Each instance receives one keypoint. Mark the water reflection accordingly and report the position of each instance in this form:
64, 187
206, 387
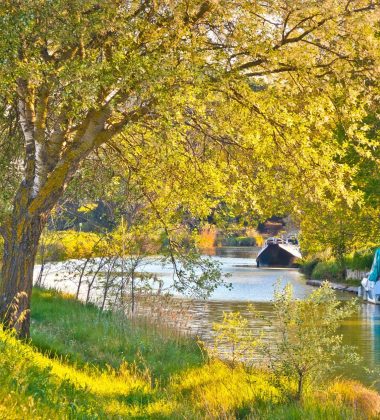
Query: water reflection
363, 332
233, 251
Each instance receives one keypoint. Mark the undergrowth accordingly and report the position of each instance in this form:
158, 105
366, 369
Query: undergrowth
84, 364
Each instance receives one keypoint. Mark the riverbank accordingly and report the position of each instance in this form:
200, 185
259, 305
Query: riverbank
342, 287
82, 363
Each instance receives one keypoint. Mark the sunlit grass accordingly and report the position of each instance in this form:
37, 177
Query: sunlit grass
87, 365
83, 334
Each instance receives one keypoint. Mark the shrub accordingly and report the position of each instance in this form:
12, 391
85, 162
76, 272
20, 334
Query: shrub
207, 237
51, 251
307, 346
81, 244
233, 338
239, 241
361, 260
65, 245
327, 270
307, 267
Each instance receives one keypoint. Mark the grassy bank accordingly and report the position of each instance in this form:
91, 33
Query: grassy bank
82, 363
329, 269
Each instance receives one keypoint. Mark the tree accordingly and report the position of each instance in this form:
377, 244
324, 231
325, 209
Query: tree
307, 345
339, 226
336, 229
78, 75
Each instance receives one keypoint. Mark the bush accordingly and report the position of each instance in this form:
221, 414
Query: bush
66, 245
307, 267
81, 244
327, 270
306, 348
207, 237
49, 252
361, 260
239, 241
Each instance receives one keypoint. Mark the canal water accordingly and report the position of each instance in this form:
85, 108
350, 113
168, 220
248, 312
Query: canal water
254, 286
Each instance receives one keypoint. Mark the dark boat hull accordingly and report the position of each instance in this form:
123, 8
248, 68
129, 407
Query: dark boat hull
275, 256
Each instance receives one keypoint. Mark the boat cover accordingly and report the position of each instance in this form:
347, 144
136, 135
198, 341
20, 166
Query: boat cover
291, 249
375, 269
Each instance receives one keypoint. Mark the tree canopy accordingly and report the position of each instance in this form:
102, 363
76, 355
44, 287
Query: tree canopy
206, 101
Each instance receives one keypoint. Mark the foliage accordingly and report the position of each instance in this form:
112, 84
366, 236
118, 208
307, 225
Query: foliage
70, 244
239, 241
327, 270
205, 102
308, 266
340, 229
158, 222
196, 275
346, 226
308, 345
361, 260
207, 237
230, 235
239, 116
66, 245
233, 339
112, 265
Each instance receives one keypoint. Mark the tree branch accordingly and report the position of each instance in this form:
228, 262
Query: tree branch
27, 119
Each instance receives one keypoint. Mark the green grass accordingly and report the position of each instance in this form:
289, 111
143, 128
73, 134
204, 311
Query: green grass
84, 364
327, 270
82, 334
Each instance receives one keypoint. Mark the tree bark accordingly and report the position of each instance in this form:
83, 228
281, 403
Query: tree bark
21, 237
299, 387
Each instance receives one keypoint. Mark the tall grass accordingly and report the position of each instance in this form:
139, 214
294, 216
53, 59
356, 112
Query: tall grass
327, 270
82, 334
85, 364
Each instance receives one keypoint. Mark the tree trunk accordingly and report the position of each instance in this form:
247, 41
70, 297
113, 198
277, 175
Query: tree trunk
21, 237
38, 282
299, 387
49, 165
